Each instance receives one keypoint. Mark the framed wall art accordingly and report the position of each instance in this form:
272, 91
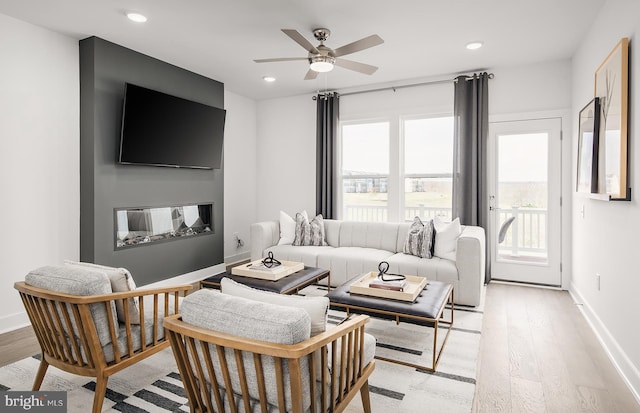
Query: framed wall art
589, 128
612, 88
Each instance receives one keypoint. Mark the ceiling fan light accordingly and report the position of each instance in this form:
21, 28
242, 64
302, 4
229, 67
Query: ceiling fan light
321, 64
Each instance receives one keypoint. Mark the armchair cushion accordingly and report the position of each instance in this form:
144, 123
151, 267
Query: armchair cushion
82, 282
121, 281
254, 320
317, 307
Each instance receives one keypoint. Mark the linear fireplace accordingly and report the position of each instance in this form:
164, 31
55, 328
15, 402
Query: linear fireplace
142, 226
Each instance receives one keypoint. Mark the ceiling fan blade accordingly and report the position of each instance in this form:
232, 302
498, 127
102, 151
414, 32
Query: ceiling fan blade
356, 66
311, 74
280, 59
358, 45
298, 38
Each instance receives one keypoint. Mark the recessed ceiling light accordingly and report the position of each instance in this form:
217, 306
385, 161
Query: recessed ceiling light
269, 79
474, 45
136, 17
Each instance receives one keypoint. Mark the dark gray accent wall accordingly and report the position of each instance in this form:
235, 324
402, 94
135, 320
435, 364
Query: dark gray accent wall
105, 184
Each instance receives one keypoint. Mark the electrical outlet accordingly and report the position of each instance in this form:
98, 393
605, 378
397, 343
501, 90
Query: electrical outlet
582, 211
598, 281
238, 241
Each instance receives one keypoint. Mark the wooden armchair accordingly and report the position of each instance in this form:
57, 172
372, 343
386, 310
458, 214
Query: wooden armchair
74, 339
223, 372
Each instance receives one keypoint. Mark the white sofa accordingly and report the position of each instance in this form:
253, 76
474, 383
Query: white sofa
357, 247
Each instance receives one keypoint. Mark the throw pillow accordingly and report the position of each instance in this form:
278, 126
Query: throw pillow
316, 307
309, 233
419, 239
121, 281
287, 228
447, 234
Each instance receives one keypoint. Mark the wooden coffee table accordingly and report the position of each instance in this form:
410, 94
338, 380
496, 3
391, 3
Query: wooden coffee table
290, 284
428, 310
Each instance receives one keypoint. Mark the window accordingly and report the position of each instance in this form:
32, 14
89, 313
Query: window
365, 171
428, 167
396, 169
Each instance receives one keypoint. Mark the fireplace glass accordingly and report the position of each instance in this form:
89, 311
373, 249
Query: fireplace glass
142, 226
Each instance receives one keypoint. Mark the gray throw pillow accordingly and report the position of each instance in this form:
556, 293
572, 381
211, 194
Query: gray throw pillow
419, 241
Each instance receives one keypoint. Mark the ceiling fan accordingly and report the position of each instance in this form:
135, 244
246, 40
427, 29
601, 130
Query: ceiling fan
322, 58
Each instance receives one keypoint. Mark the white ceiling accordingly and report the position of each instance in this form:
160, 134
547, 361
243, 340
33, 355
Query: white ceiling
423, 38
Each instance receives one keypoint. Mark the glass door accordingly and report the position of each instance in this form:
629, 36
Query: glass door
525, 201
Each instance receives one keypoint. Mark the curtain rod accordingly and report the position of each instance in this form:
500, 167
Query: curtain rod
394, 88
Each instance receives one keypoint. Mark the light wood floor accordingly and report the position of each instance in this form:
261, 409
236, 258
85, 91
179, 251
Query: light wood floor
537, 354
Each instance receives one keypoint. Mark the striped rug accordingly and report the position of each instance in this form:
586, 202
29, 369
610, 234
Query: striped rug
154, 385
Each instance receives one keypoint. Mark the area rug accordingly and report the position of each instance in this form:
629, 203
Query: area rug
154, 384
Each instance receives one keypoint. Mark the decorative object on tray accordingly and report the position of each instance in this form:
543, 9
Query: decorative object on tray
268, 268
413, 288
386, 281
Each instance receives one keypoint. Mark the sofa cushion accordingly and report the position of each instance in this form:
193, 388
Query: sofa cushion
121, 281
447, 234
378, 235
332, 232
316, 307
260, 321
307, 255
78, 281
419, 239
347, 262
435, 268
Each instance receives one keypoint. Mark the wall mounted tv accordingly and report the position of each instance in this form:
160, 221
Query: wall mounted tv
163, 130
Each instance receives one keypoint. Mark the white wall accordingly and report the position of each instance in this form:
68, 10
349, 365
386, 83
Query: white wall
286, 147
39, 163
605, 241
240, 171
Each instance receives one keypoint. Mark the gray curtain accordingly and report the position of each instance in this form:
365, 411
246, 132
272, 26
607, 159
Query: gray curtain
326, 135
470, 152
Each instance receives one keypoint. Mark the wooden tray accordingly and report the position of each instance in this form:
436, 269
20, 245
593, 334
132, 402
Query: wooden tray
414, 286
287, 268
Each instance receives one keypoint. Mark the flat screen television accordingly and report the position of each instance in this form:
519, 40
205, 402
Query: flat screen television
163, 130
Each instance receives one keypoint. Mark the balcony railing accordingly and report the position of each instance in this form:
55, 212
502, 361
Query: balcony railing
527, 235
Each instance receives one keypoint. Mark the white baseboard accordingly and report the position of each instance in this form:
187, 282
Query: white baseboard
14, 321
189, 277
628, 371
237, 257
19, 320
